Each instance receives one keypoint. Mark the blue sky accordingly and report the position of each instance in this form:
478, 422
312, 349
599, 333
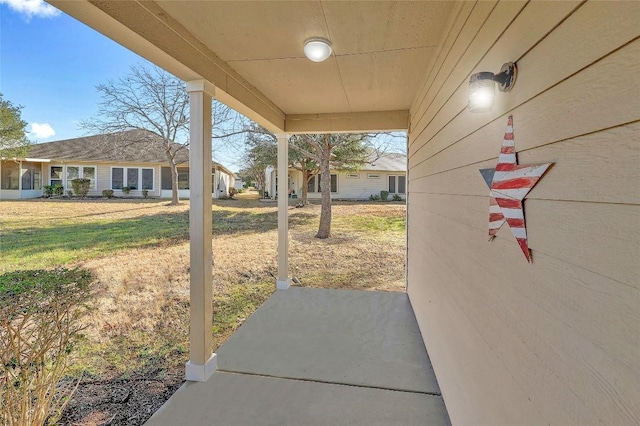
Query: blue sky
50, 64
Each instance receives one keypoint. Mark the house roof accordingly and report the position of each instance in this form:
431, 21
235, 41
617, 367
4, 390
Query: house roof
131, 146
253, 53
387, 163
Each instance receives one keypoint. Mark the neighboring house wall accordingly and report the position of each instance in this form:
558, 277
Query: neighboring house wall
219, 182
105, 177
346, 186
556, 341
238, 183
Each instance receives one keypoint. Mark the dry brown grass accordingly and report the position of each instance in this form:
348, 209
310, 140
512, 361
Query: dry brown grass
140, 325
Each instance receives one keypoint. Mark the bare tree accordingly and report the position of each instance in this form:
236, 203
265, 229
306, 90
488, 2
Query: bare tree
147, 98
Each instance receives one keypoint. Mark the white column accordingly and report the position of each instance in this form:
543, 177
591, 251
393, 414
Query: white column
202, 363
283, 211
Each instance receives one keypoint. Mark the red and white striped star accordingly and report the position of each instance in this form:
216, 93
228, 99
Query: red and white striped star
509, 184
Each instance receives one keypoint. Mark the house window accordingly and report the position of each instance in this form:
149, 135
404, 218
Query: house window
165, 178
31, 177
89, 172
132, 178
117, 178
373, 176
147, 179
10, 175
73, 172
397, 184
311, 185
314, 184
56, 175
402, 184
183, 178
353, 175
64, 175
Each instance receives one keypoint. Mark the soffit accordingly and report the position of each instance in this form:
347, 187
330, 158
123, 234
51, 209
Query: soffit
381, 49
252, 52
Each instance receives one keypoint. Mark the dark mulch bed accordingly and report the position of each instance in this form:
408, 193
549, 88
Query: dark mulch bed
119, 401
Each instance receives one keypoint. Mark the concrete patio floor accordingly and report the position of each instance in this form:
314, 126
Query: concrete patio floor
317, 357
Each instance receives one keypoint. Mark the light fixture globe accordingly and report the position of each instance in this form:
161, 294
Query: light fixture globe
317, 49
482, 86
481, 92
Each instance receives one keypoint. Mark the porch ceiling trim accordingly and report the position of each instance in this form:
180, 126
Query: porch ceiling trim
149, 31
348, 122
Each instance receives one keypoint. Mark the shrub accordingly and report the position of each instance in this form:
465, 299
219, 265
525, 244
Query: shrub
81, 187
396, 197
48, 190
107, 193
40, 314
126, 190
58, 190
70, 193
145, 193
384, 195
374, 197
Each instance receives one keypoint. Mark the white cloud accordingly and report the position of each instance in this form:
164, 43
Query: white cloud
31, 8
41, 131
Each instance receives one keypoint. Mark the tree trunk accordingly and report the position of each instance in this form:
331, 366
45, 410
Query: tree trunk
175, 200
324, 230
306, 175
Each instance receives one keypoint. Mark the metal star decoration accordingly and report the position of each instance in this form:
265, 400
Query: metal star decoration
509, 184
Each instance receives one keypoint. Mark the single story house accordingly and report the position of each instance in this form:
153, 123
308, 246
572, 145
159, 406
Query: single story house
387, 173
133, 158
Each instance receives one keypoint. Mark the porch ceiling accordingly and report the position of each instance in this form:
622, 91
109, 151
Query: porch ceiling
252, 52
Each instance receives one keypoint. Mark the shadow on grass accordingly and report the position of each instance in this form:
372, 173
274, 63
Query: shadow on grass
50, 243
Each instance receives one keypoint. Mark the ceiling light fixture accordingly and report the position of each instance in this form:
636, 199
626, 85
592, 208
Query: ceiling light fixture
482, 86
317, 49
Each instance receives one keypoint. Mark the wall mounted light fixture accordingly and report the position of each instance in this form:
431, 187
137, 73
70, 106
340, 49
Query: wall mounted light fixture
317, 49
482, 86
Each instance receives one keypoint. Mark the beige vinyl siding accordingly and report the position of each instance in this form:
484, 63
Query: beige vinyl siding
357, 189
103, 175
556, 341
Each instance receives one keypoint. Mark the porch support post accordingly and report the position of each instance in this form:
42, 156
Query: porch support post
283, 211
202, 363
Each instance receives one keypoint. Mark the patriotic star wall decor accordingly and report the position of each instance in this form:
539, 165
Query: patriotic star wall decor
509, 183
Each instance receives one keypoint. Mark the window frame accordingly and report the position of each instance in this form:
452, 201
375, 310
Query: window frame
111, 178
139, 180
60, 179
397, 185
153, 178
136, 171
29, 172
10, 173
317, 184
